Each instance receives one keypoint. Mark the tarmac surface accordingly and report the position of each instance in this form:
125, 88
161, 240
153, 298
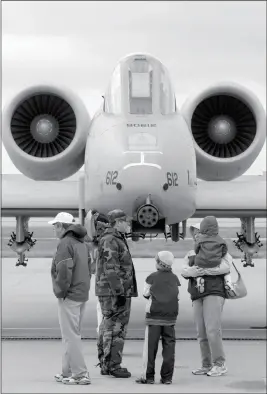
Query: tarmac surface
46, 242
29, 307
29, 367
29, 310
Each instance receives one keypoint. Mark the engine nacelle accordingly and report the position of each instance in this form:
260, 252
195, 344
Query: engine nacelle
228, 125
45, 131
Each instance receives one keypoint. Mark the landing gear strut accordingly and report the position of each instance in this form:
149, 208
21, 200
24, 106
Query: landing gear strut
174, 234
248, 241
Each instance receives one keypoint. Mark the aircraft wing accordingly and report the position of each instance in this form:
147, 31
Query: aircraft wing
243, 197
23, 196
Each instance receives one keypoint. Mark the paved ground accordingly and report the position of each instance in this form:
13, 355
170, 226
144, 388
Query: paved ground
29, 307
29, 367
46, 242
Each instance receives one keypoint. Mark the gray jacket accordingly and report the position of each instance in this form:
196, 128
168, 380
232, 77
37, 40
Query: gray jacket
71, 266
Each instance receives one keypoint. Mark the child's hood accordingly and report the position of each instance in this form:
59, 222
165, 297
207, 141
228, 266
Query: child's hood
209, 226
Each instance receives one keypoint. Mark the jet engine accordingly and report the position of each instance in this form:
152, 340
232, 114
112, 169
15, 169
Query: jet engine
228, 126
45, 131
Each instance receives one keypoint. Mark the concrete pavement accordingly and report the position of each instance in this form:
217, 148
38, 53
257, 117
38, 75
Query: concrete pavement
29, 307
29, 367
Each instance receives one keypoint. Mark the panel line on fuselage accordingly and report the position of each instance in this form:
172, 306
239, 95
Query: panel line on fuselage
142, 159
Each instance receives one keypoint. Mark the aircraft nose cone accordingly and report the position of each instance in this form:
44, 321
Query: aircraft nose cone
222, 130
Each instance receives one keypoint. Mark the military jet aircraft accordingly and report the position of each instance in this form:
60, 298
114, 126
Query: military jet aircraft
140, 154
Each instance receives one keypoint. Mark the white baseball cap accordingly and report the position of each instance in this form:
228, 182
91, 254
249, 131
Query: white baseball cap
165, 257
63, 217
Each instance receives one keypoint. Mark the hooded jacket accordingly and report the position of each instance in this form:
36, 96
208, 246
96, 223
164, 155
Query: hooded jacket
115, 274
209, 247
71, 265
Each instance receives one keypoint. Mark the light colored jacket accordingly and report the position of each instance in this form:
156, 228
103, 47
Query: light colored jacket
194, 271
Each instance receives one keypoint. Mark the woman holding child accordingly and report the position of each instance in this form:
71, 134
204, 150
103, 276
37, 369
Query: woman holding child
207, 289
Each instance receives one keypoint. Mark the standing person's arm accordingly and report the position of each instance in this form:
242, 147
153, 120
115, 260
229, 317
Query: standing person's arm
91, 266
64, 267
148, 283
222, 269
110, 255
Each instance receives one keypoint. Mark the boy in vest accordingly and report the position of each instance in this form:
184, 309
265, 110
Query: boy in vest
161, 291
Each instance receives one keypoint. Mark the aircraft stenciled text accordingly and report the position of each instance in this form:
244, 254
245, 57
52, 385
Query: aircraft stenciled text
111, 177
172, 178
141, 125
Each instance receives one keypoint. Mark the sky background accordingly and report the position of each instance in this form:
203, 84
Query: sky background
77, 45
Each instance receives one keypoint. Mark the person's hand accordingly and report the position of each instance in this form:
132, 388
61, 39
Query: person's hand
121, 300
200, 271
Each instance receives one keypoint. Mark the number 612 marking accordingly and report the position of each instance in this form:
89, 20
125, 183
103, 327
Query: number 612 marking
172, 178
111, 177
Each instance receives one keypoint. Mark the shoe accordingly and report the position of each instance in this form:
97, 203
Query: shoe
72, 381
103, 369
120, 373
165, 381
201, 371
145, 381
59, 377
217, 370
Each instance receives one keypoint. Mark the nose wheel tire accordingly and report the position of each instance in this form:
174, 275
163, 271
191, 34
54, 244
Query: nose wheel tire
148, 216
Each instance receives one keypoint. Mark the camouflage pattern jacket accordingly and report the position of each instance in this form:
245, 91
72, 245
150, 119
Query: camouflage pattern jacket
115, 274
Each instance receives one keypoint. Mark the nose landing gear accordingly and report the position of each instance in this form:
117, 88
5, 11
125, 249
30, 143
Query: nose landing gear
174, 233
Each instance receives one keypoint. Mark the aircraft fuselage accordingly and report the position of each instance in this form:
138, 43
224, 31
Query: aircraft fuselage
129, 159
139, 149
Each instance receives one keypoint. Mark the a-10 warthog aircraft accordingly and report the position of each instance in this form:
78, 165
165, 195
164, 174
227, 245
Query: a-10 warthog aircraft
140, 154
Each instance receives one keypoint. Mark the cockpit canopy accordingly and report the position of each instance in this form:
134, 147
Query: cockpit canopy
140, 85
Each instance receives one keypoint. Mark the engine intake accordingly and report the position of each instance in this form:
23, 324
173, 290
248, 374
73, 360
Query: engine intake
223, 126
43, 125
45, 132
227, 122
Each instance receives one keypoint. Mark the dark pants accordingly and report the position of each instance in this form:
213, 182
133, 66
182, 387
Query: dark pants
112, 332
152, 337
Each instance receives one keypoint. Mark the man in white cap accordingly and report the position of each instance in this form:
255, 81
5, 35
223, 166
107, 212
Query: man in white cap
161, 290
71, 274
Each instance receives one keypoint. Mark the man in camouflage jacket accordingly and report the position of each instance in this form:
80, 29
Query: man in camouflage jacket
115, 285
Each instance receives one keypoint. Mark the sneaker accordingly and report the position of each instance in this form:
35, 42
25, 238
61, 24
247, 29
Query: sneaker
217, 370
59, 377
145, 381
201, 371
82, 380
120, 373
165, 381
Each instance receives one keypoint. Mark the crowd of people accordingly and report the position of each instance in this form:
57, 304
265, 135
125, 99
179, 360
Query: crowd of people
100, 247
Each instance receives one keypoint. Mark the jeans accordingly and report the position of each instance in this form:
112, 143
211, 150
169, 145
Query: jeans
207, 314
